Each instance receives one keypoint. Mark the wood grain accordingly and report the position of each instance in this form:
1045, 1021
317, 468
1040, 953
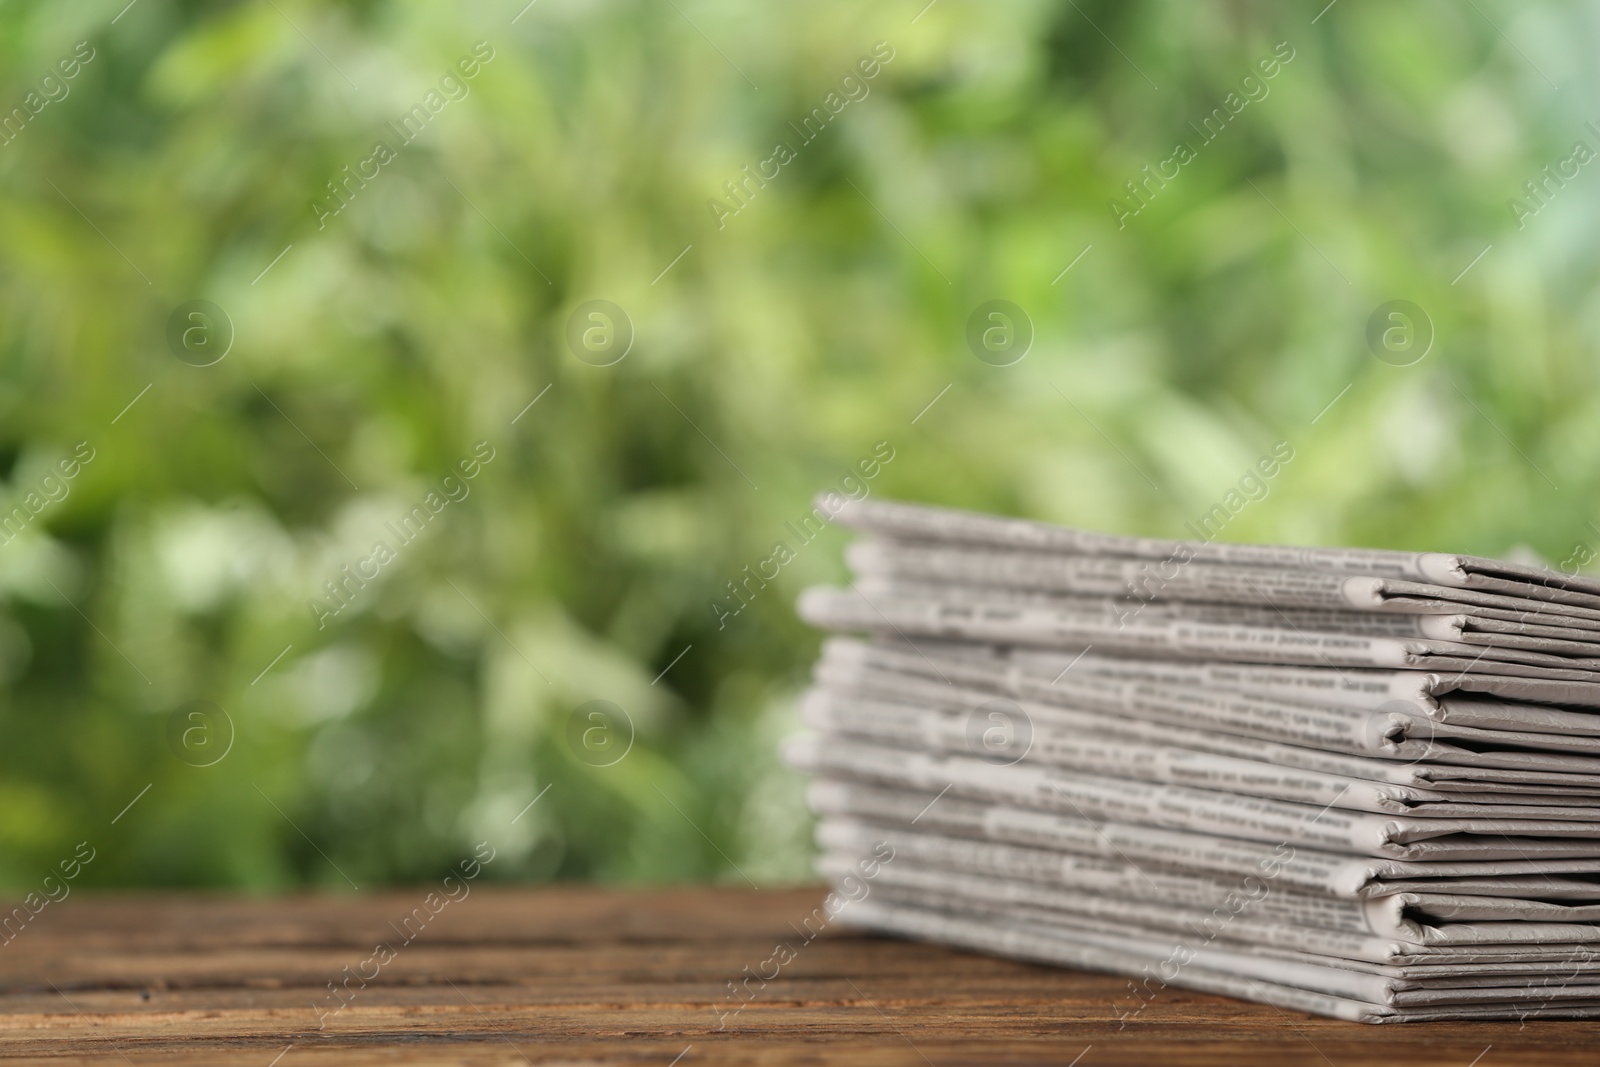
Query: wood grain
591, 976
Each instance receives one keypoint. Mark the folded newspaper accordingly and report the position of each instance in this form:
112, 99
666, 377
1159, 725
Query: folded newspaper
1359, 783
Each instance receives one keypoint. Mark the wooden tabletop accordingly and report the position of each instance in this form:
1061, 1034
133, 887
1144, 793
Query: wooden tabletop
589, 976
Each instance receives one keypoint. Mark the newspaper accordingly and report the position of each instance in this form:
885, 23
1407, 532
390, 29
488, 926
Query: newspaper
1213, 583
884, 691
1055, 739
1375, 929
1031, 672
1113, 890
1526, 632
1357, 782
1391, 733
1201, 810
1367, 936
921, 523
994, 938
1284, 985
849, 609
1310, 685
1335, 668
1561, 635
1037, 845
1510, 969
1400, 984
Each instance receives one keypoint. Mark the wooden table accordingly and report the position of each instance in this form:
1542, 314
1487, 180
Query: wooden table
591, 976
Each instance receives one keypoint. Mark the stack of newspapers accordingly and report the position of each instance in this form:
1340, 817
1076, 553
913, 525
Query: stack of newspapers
1354, 782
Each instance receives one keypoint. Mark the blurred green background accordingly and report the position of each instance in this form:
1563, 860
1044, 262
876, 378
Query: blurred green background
773, 348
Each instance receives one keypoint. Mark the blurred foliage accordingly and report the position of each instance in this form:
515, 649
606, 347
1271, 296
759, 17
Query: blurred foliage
771, 353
